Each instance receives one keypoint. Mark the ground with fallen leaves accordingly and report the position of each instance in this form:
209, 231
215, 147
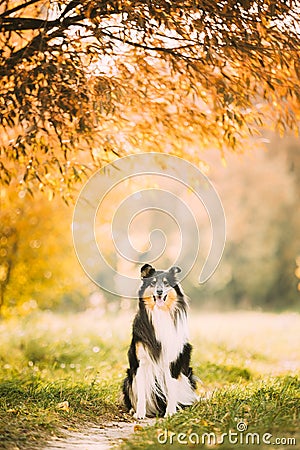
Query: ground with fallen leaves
60, 374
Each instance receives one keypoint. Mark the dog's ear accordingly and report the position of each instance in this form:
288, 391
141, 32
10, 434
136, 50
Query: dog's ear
147, 271
174, 270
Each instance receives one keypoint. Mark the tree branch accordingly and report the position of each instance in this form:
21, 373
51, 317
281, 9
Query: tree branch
26, 23
69, 7
146, 47
17, 8
40, 41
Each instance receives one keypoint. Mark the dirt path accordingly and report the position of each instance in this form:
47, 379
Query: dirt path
95, 438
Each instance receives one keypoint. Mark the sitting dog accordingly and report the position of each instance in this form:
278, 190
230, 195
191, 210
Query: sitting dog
159, 379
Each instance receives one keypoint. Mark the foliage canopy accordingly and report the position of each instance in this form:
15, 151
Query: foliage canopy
82, 82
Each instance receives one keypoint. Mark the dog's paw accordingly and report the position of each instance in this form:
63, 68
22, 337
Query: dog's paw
170, 412
139, 415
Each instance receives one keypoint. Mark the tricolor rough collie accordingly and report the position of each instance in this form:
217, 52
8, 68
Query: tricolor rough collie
159, 379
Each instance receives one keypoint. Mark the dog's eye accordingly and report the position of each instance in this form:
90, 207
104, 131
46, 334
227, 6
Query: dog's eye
153, 283
166, 283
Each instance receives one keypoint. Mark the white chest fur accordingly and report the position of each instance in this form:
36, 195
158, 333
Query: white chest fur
171, 336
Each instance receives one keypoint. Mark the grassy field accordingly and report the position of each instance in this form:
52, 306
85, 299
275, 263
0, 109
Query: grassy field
65, 372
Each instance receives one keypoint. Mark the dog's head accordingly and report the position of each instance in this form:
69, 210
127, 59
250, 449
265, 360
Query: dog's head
159, 287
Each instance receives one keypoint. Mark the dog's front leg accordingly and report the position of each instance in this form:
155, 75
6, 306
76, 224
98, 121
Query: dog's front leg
141, 392
171, 385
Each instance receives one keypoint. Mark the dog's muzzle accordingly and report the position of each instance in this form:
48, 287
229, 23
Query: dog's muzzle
160, 299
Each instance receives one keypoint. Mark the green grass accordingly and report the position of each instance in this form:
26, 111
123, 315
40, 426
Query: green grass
56, 373
269, 406
59, 373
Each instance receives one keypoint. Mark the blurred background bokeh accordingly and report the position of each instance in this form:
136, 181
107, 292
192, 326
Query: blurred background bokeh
260, 268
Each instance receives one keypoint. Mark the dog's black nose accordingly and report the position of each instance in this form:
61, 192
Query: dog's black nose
159, 293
